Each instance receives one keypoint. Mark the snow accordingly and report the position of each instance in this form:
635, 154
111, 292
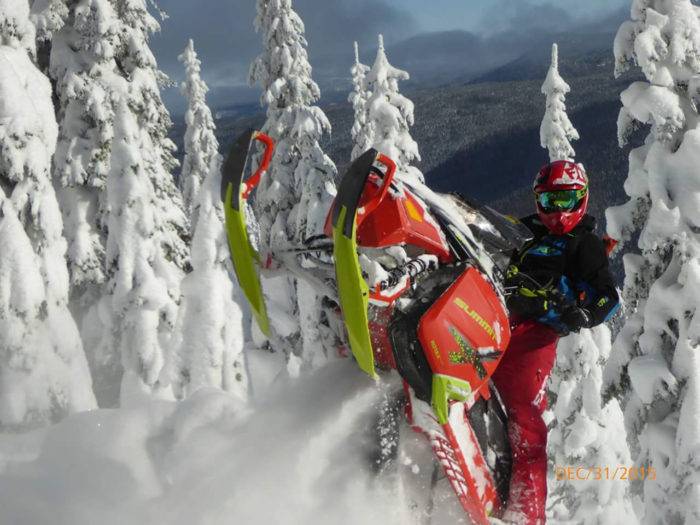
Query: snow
556, 131
362, 129
584, 429
124, 218
43, 372
17, 30
654, 368
201, 145
293, 198
209, 334
301, 453
48, 16
389, 116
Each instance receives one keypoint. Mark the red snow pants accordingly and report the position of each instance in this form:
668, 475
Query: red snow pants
521, 379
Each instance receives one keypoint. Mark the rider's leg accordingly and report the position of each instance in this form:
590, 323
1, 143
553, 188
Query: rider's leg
521, 379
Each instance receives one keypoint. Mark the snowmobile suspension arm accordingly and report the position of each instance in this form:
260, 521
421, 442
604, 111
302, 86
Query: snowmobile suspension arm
411, 269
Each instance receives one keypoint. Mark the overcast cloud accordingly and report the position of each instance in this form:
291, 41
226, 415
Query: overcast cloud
225, 39
227, 43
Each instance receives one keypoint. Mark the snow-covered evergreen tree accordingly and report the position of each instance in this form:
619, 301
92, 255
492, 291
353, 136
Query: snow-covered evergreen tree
584, 430
390, 116
655, 364
361, 131
48, 16
556, 131
201, 145
103, 66
16, 29
43, 371
294, 197
138, 310
210, 324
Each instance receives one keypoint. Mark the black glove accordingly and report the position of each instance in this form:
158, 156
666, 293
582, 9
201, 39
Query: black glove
576, 318
528, 303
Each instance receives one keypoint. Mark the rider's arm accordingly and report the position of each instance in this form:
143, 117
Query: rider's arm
593, 268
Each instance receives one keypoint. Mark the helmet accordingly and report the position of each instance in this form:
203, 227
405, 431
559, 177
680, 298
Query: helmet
561, 190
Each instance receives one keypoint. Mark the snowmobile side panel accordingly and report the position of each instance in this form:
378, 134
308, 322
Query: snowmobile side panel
246, 261
353, 291
401, 218
464, 334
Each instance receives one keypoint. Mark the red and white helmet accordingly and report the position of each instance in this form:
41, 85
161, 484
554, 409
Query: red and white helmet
561, 190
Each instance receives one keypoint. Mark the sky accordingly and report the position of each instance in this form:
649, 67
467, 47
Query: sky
226, 42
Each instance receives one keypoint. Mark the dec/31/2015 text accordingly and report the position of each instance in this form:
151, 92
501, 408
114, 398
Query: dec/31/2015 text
601, 473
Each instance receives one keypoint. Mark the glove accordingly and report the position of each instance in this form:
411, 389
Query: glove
576, 318
528, 303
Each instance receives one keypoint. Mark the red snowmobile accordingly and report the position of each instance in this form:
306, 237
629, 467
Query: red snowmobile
433, 309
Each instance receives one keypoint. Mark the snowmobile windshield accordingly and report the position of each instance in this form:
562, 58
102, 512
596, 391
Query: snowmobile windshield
562, 200
499, 235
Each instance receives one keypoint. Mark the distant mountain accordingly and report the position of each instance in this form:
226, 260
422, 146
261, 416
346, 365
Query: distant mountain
441, 57
580, 54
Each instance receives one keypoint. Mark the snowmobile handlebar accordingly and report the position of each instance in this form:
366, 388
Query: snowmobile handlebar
387, 179
252, 182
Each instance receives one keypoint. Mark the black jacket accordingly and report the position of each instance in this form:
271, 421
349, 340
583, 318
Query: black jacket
575, 263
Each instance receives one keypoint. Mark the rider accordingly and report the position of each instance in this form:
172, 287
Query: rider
559, 282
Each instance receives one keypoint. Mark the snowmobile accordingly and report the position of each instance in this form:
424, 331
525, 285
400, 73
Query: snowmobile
433, 308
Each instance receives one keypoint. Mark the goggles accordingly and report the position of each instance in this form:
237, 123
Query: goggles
562, 200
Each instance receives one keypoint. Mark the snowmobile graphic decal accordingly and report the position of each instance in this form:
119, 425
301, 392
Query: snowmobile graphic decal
466, 355
477, 318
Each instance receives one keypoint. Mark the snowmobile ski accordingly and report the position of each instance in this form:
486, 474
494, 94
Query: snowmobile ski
457, 450
353, 291
234, 193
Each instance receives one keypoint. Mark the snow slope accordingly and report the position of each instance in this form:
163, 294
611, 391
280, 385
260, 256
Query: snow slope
303, 453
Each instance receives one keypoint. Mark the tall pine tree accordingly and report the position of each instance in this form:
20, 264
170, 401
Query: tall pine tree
201, 146
43, 371
584, 430
123, 214
294, 197
361, 130
390, 115
655, 364
556, 131
210, 325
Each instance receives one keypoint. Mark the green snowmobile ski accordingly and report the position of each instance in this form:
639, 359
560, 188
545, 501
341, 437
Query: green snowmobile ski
234, 193
353, 291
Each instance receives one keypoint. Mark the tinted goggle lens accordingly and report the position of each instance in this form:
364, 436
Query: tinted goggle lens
565, 200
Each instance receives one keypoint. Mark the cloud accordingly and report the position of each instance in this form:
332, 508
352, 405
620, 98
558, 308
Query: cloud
522, 16
226, 42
